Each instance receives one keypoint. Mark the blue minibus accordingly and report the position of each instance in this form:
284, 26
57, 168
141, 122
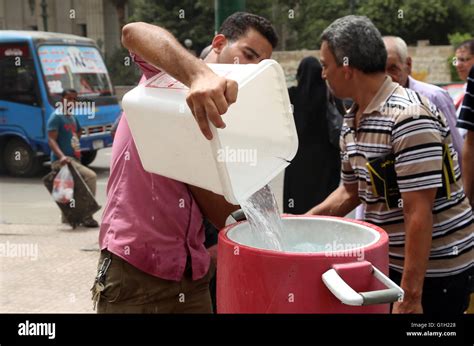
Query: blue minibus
35, 68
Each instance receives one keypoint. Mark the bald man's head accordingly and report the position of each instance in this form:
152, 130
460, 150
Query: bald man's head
398, 62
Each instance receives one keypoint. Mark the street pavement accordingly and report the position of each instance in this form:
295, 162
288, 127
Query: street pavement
46, 266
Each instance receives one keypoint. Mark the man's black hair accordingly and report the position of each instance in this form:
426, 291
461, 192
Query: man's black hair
237, 25
468, 45
68, 91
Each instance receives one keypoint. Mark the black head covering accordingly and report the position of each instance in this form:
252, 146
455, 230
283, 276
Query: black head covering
309, 98
314, 172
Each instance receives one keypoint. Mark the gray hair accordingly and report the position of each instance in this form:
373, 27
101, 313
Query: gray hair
356, 41
400, 46
205, 52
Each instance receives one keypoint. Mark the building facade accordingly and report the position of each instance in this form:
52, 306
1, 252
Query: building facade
96, 19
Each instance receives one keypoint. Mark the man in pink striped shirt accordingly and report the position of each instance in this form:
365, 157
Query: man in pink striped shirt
153, 259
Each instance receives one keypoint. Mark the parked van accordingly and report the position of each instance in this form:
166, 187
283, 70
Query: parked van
35, 67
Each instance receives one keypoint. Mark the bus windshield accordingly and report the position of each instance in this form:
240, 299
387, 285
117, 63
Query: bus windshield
74, 67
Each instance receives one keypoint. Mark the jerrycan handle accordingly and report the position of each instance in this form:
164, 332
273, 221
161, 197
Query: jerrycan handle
236, 216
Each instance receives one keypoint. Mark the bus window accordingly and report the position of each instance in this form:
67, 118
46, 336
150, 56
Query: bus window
74, 67
17, 75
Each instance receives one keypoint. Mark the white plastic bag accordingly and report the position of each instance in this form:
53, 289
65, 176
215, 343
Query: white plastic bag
63, 186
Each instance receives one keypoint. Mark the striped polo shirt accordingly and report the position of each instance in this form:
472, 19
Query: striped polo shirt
401, 122
466, 116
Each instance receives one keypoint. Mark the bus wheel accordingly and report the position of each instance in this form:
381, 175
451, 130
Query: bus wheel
88, 156
20, 160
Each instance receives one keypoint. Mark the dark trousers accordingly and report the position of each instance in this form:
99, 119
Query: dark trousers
447, 295
211, 239
129, 290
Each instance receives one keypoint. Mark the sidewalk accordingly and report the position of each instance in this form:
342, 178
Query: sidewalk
47, 268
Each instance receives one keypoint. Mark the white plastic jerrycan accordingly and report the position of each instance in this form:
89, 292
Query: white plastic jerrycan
258, 142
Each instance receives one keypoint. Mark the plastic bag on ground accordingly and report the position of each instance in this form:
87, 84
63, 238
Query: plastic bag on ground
63, 186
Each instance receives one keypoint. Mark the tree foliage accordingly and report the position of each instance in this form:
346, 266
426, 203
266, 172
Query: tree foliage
416, 20
301, 22
122, 70
185, 19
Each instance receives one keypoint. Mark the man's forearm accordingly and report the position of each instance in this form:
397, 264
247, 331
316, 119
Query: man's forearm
213, 206
339, 203
418, 238
55, 148
159, 47
468, 166
418, 215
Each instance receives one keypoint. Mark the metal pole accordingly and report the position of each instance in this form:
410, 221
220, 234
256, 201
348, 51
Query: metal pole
44, 14
224, 8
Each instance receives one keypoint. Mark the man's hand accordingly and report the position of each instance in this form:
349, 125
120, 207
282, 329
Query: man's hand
64, 160
209, 97
412, 306
339, 203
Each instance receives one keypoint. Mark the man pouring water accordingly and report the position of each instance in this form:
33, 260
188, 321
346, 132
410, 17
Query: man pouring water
153, 259
397, 159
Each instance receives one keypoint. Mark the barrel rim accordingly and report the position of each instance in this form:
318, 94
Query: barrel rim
383, 238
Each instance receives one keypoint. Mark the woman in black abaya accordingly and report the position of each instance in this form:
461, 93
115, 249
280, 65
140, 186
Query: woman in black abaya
315, 171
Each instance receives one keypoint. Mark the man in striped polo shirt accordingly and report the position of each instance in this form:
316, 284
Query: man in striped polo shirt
466, 121
405, 141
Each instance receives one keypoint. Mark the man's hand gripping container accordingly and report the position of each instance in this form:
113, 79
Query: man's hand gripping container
258, 142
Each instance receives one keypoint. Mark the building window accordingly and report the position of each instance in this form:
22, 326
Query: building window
83, 30
32, 7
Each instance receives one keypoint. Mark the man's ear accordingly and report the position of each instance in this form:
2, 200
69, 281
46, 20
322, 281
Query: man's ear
409, 65
348, 72
218, 43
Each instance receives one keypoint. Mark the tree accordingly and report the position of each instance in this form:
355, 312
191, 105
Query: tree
299, 23
185, 19
120, 6
121, 69
410, 19
413, 20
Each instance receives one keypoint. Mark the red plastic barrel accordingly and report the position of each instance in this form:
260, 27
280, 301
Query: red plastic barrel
347, 267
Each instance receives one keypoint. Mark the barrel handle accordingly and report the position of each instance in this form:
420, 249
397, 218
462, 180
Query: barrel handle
348, 296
